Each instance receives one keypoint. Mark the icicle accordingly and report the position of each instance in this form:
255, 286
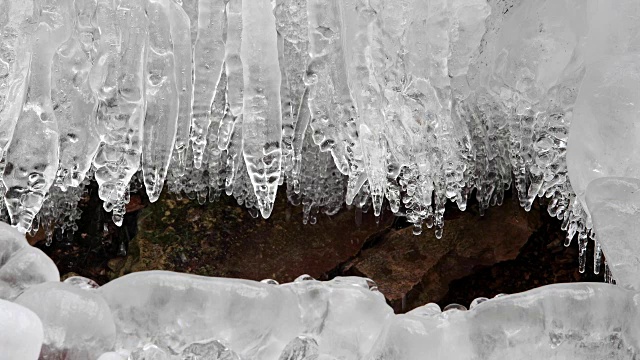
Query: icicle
232, 60
262, 115
582, 250
33, 156
597, 257
329, 99
161, 116
208, 60
73, 100
117, 78
18, 32
182, 52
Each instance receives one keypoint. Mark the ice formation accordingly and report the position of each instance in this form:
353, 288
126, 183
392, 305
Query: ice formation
21, 265
385, 104
614, 204
77, 322
21, 333
408, 103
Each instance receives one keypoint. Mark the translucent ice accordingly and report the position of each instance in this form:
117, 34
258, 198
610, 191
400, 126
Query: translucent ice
262, 113
396, 110
77, 322
118, 81
21, 332
614, 204
565, 321
603, 141
329, 100
112, 356
232, 60
148, 352
176, 310
407, 102
208, 350
21, 265
73, 102
208, 59
252, 319
17, 25
30, 169
82, 282
162, 100
182, 52
300, 348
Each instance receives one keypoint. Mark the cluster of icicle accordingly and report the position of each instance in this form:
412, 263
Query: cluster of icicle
357, 101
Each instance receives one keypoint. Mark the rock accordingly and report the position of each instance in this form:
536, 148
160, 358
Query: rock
413, 270
223, 239
135, 203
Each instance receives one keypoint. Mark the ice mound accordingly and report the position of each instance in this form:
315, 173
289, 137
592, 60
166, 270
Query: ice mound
563, 321
21, 265
112, 356
166, 315
21, 332
604, 138
254, 319
77, 323
614, 204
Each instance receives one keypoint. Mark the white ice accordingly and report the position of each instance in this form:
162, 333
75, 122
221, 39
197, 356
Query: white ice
357, 101
77, 322
255, 320
614, 204
21, 333
21, 265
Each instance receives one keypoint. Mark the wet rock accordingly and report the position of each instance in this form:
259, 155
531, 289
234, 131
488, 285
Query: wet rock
414, 270
223, 239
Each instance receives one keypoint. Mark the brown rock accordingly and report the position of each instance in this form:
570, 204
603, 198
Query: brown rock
414, 270
135, 204
222, 239
40, 235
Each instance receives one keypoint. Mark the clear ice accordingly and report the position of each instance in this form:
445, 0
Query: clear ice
76, 322
415, 102
21, 265
398, 104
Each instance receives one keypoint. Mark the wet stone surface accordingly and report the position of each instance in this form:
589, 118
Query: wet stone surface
506, 251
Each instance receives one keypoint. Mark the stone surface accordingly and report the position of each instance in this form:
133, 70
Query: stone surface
222, 239
402, 262
522, 251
